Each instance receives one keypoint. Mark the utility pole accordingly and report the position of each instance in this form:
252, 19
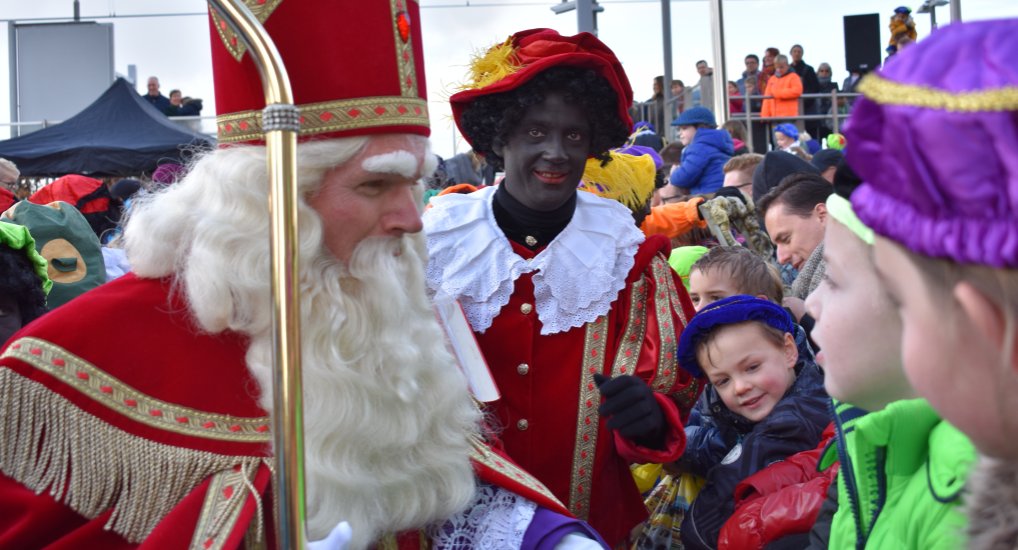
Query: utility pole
670, 102
930, 7
586, 13
717, 23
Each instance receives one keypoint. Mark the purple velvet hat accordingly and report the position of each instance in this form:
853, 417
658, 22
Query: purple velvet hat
935, 141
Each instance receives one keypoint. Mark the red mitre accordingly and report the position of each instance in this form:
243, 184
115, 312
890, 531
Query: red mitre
355, 69
526, 54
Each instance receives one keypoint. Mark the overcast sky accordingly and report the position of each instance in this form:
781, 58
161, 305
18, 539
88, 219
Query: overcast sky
176, 48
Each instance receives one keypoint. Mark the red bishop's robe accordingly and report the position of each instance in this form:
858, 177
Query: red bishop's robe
547, 412
122, 425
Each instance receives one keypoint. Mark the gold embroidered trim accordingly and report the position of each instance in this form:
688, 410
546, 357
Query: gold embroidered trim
253, 539
628, 353
261, 9
686, 397
404, 42
129, 402
887, 92
388, 542
483, 455
666, 300
331, 116
50, 445
581, 475
224, 501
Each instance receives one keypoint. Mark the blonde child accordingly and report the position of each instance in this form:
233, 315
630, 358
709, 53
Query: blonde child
726, 271
765, 403
946, 217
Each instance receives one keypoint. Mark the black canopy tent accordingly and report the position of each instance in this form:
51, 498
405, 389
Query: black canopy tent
120, 134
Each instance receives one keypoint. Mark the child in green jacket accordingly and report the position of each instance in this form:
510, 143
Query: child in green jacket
902, 468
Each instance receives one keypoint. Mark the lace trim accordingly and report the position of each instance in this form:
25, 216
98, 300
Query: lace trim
576, 277
496, 519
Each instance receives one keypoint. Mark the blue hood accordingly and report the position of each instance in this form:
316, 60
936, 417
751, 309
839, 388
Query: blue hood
717, 139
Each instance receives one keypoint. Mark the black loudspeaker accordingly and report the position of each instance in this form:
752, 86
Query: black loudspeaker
862, 42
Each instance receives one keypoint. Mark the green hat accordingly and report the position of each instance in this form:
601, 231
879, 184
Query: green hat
840, 209
18, 238
74, 260
683, 258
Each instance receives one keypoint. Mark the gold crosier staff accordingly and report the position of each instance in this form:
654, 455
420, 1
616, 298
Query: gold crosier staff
281, 123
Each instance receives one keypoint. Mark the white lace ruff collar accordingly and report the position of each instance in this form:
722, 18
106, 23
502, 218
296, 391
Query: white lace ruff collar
576, 277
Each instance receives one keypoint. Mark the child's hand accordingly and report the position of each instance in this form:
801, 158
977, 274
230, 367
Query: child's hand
630, 406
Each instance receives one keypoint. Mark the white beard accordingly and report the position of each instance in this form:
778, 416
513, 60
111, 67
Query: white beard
388, 418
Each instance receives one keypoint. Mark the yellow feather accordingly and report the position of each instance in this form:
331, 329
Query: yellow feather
627, 179
495, 64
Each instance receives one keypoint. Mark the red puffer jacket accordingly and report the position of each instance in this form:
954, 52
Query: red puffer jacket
780, 500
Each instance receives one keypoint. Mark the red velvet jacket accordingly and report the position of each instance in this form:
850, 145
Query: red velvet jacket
548, 410
124, 426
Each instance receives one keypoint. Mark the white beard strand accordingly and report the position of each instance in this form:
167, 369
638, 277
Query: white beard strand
388, 418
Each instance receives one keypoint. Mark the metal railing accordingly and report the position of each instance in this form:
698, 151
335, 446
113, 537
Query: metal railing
646, 110
201, 124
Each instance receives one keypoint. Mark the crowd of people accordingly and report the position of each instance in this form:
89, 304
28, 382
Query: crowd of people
783, 79
691, 345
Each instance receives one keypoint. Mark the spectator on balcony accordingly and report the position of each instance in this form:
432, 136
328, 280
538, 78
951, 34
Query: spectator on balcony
826, 86
679, 93
785, 89
154, 96
654, 108
706, 84
767, 68
752, 72
182, 106
810, 85
735, 102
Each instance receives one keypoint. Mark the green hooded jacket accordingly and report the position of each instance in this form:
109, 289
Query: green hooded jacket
17, 237
902, 473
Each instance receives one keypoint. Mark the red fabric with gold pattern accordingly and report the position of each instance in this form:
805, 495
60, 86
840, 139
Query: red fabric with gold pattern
356, 68
537, 50
129, 393
178, 371
548, 410
166, 408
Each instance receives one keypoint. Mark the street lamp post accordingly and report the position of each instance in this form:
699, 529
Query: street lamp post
586, 13
930, 7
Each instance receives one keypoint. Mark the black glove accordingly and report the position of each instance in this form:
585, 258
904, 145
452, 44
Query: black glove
730, 192
631, 409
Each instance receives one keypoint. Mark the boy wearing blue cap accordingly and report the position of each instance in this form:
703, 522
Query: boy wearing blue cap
706, 150
766, 402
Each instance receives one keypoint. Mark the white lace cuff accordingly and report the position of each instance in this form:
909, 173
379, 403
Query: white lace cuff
496, 519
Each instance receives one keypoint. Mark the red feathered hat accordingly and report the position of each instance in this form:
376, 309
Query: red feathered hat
526, 54
356, 68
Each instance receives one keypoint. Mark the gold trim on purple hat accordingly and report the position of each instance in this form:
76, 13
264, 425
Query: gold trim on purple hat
887, 92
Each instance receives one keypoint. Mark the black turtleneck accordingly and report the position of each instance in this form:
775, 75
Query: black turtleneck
519, 222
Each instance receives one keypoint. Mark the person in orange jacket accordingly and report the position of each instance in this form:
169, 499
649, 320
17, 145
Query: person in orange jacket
785, 88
